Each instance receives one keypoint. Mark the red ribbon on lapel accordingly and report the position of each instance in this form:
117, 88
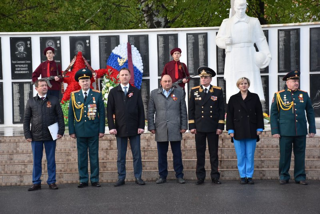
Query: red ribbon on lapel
130, 64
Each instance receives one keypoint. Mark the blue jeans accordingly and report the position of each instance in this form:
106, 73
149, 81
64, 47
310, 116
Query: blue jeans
245, 155
177, 158
37, 151
122, 143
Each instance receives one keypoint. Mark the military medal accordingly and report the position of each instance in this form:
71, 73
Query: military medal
94, 100
301, 98
48, 104
130, 94
285, 99
214, 98
92, 109
174, 97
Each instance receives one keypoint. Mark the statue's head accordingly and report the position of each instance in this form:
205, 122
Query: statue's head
240, 7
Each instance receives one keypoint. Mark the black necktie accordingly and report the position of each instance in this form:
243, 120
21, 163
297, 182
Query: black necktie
205, 90
85, 96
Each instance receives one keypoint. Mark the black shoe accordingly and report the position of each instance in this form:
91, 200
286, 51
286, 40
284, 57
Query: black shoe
200, 181
216, 181
181, 181
53, 186
95, 184
35, 187
250, 181
119, 183
140, 181
282, 182
302, 182
243, 181
82, 185
161, 180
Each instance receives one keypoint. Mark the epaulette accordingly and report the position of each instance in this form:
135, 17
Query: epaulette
280, 91
195, 87
302, 91
75, 91
96, 90
216, 87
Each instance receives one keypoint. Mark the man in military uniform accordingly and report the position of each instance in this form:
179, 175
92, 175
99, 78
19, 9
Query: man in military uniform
206, 121
288, 123
86, 123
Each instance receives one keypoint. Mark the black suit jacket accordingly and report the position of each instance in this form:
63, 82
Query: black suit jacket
128, 111
245, 116
206, 111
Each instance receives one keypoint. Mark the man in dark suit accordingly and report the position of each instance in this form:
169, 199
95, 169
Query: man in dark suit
125, 104
288, 123
86, 123
206, 120
42, 111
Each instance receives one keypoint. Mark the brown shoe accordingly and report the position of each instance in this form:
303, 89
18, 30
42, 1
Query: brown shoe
35, 187
302, 182
53, 186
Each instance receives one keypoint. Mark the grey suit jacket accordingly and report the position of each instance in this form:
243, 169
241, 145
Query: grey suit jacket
167, 116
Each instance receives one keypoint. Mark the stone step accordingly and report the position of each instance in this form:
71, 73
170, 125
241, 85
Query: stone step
111, 165
149, 176
151, 154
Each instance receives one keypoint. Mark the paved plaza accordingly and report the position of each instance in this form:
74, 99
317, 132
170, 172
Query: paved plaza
265, 196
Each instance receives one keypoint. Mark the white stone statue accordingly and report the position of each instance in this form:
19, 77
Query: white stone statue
237, 36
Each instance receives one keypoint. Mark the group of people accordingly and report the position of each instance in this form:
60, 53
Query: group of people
168, 119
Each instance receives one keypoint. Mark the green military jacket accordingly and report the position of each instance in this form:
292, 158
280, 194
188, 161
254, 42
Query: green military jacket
86, 119
288, 113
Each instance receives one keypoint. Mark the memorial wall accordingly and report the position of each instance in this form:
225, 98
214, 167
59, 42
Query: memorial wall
293, 47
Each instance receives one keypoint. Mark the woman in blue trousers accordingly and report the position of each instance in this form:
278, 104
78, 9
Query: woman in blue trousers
244, 125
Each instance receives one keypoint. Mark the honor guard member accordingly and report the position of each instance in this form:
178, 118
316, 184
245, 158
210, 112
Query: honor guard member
86, 123
177, 70
206, 121
288, 123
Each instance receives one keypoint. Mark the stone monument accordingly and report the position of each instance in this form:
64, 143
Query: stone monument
237, 35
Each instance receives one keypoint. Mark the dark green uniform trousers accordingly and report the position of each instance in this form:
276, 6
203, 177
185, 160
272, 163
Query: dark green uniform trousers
299, 148
84, 144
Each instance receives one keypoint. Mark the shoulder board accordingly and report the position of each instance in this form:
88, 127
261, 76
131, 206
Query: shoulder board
75, 91
196, 87
303, 91
216, 87
280, 91
96, 90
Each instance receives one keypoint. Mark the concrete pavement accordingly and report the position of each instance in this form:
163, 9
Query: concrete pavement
265, 196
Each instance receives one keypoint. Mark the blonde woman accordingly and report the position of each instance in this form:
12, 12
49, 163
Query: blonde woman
244, 125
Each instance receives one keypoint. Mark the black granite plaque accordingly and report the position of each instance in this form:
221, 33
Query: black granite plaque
192, 83
1, 104
315, 93
265, 86
197, 46
0, 61
55, 43
221, 56
281, 83
314, 49
145, 93
141, 42
21, 57
106, 45
166, 42
266, 69
222, 83
80, 44
21, 93
288, 50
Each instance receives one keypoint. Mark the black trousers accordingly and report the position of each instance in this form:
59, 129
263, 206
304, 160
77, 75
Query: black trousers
201, 142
